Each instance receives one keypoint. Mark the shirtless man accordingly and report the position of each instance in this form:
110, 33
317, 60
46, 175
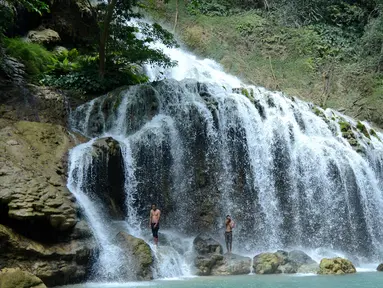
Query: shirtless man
154, 222
229, 233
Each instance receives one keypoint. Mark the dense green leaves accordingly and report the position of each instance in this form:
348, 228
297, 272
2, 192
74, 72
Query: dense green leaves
35, 57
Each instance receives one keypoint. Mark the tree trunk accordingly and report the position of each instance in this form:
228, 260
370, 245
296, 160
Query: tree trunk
175, 18
105, 35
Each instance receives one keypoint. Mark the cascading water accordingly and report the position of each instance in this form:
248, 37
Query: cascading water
289, 177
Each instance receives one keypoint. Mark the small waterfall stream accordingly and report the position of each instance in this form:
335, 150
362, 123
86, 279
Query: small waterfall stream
201, 150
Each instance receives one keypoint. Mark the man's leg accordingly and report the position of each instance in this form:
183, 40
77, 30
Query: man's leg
231, 240
156, 234
227, 241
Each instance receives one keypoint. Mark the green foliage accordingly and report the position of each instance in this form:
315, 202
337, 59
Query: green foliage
72, 71
372, 41
6, 19
123, 46
34, 56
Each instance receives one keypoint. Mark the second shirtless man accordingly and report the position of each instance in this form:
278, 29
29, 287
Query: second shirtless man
229, 224
154, 222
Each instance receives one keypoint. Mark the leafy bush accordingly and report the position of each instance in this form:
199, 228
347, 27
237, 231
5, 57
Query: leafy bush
34, 56
82, 75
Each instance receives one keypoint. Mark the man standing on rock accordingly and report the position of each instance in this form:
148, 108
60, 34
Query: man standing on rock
154, 222
229, 233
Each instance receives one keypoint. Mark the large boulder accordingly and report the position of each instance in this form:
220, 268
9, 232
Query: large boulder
231, 264
336, 266
267, 263
140, 256
47, 37
300, 258
380, 267
56, 264
210, 261
16, 278
309, 268
209, 254
206, 244
294, 261
109, 177
205, 263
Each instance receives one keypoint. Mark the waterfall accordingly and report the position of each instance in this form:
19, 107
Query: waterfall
202, 144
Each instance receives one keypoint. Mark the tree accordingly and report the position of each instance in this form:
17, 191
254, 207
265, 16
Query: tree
118, 40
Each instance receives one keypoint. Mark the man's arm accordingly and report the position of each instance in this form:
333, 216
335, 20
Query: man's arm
227, 221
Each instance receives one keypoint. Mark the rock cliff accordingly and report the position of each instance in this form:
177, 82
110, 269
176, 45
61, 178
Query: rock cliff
42, 230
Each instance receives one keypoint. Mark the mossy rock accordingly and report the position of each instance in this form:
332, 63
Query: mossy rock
16, 278
140, 252
380, 267
248, 93
362, 128
373, 133
336, 266
267, 263
344, 126
318, 112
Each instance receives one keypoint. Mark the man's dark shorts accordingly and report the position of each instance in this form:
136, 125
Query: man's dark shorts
155, 229
228, 237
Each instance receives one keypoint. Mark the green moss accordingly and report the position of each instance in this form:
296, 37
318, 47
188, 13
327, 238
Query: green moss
245, 92
344, 126
319, 113
373, 133
362, 128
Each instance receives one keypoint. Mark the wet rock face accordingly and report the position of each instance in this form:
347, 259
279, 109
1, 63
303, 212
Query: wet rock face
107, 176
139, 256
380, 267
336, 266
16, 278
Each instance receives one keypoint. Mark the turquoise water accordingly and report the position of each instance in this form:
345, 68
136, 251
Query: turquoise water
358, 280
